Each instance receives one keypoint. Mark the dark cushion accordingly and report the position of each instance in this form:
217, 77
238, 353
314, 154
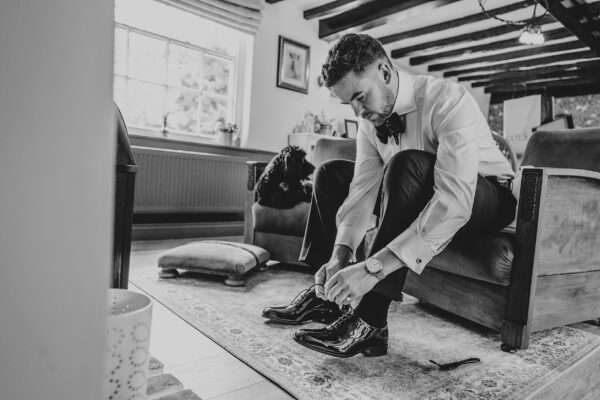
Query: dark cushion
291, 221
486, 258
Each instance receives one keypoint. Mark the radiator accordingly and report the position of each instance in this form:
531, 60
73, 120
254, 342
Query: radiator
177, 181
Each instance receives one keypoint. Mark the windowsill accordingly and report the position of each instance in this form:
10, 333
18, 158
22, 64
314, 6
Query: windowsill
197, 144
152, 133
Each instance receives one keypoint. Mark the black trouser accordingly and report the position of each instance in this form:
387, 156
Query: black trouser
406, 189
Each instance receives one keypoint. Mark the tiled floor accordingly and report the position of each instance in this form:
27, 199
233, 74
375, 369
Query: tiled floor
199, 363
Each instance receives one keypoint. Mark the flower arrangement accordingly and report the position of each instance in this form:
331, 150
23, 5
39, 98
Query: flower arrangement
315, 123
226, 127
227, 133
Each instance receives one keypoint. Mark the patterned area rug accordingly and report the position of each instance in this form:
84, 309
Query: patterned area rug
231, 317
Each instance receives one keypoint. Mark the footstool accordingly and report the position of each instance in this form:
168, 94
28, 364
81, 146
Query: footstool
216, 257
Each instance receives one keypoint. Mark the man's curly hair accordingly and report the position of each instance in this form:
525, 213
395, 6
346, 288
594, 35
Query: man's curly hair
353, 52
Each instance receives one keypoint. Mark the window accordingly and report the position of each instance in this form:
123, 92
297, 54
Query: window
584, 109
175, 73
495, 118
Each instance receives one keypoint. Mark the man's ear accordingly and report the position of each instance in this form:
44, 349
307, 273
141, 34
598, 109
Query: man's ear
386, 72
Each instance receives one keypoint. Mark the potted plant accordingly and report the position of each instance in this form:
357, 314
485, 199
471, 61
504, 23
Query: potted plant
323, 125
313, 123
226, 132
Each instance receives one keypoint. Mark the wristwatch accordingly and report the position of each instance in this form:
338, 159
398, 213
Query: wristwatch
375, 268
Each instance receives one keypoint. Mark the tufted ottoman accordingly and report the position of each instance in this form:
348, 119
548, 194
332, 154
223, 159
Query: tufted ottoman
215, 257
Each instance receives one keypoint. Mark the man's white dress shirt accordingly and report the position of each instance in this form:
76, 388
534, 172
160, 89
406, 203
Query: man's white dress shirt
442, 119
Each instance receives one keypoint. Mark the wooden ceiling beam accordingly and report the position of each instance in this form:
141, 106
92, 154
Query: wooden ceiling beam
368, 15
575, 74
559, 33
465, 37
581, 19
586, 69
531, 72
506, 56
530, 62
480, 16
559, 83
333, 7
578, 90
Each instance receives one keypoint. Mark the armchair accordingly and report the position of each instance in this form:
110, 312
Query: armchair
544, 274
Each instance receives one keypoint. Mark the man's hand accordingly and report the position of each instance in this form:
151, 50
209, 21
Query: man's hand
349, 285
340, 257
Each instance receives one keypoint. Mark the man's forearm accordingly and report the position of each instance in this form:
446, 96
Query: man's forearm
388, 260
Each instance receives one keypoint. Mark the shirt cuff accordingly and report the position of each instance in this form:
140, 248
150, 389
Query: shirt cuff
412, 250
348, 236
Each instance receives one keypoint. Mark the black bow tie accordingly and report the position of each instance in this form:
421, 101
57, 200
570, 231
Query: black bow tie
391, 127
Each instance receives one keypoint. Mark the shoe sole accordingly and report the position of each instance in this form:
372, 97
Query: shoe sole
367, 351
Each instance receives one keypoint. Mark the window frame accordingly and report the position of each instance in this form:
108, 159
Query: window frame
234, 83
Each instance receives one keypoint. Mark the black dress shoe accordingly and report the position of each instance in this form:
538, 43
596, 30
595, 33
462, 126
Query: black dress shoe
331, 331
348, 336
305, 307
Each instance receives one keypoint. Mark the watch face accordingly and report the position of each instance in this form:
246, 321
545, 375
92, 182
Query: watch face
374, 266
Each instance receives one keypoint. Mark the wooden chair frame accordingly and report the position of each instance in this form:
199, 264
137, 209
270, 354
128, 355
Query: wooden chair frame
555, 278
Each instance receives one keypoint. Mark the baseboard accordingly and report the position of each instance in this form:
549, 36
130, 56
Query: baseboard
160, 231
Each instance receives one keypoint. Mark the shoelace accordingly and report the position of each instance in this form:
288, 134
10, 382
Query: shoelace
345, 317
300, 297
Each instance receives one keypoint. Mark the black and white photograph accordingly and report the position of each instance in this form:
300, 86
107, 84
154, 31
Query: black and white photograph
183, 219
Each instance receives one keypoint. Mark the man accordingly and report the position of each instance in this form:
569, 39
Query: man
422, 184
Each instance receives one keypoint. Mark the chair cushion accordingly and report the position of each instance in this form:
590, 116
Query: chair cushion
214, 256
487, 258
291, 221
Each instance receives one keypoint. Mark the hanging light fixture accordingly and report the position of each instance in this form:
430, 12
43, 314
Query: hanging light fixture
532, 35
532, 31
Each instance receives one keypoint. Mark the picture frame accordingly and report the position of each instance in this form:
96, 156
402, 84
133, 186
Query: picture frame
351, 127
293, 65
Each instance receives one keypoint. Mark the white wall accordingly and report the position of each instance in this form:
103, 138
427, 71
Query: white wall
520, 116
274, 111
56, 155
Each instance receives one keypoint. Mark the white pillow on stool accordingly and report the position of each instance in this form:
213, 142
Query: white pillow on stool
215, 257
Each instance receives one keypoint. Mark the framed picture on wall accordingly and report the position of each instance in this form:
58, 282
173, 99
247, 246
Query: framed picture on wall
293, 62
351, 128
